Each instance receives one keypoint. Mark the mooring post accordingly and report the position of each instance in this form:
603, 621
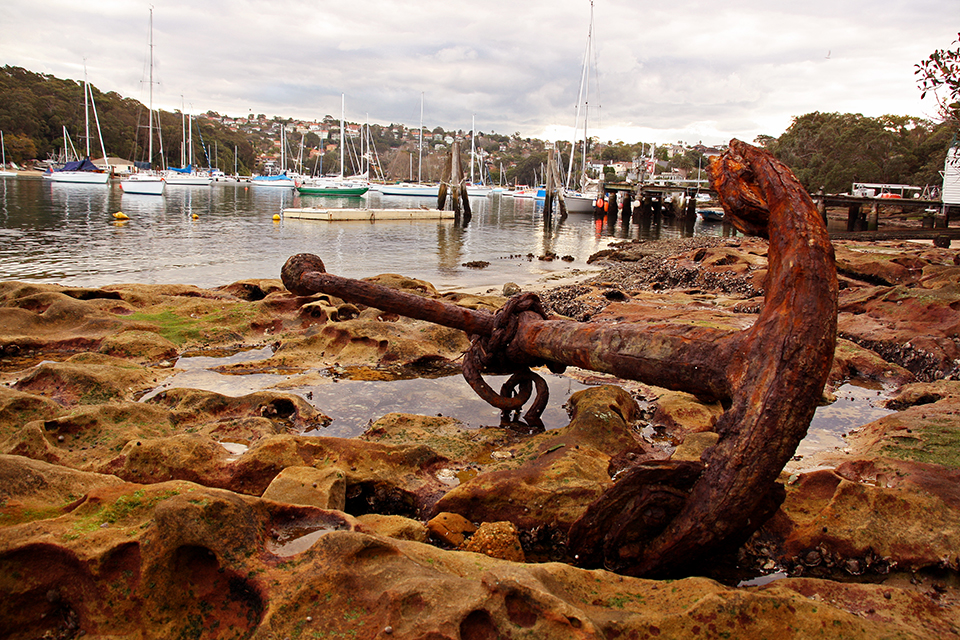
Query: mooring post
627, 206
447, 167
551, 187
873, 220
853, 216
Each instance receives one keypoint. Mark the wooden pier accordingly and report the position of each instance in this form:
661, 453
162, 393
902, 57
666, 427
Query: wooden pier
867, 217
871, 217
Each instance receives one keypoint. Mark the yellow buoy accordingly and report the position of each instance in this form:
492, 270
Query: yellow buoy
120, 215
276, 216
195, 216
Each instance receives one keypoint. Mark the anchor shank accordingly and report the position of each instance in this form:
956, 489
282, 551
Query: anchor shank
404, 304
673, 356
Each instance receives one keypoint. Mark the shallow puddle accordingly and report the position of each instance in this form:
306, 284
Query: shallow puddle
355, 404
856, 405
296, 537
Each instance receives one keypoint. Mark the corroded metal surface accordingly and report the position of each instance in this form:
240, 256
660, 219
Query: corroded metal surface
662, 518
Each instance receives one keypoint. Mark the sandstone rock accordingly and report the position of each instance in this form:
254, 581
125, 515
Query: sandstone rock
138, 346
324, 488
511, 289
17, 408
882, 514
88, 378
678, 411
693, 446
552, 477
196, 407
177, 559
396, 527
30, 487
450, 528
372, 342
497, 540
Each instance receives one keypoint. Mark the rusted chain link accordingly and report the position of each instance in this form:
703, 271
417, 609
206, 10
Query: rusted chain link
497, 353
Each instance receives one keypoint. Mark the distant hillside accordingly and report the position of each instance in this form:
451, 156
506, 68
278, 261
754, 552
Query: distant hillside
35, 107
828, 150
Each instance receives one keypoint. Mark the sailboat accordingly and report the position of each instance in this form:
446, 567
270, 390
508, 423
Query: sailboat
82, 171
474, 189
149, 182
338, 186
418, 188
279, 180
187, 175
582, 201
4, 172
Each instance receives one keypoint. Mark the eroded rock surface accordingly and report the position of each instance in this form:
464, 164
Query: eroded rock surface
194, 513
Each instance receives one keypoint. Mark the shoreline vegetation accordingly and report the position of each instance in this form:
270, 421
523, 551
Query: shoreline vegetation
198, 514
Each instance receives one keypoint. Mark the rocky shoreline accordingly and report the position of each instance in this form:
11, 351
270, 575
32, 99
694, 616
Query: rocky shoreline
196, 514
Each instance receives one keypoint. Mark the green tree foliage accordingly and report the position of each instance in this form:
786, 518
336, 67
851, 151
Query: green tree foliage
529, 170
833, 150
35, 107
939, 75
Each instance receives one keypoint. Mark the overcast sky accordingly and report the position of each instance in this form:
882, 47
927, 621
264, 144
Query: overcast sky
666, 71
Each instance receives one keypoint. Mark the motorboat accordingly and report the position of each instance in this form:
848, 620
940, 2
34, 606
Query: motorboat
577, 202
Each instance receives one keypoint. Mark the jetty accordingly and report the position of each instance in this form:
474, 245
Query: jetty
873, 211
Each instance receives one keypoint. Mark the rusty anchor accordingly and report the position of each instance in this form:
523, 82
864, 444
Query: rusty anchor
662, 518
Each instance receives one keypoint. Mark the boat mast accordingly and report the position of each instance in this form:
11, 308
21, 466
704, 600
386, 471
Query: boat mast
190, 139
183, 133
343, 133
96, 119
150, 143
584, 86
473, 136
420, 143
86, 109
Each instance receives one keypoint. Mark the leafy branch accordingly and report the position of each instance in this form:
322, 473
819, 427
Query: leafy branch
939, 74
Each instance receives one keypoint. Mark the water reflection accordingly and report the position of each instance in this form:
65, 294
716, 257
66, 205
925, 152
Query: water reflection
354, 404
856, 405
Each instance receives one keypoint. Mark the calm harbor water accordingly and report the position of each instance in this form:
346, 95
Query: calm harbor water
66, 234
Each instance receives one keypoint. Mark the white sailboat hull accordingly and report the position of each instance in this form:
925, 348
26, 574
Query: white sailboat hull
579, 202
79, 177
191, 179
419, 190
143, 185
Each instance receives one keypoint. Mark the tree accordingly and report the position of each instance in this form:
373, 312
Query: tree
939, 74
833, 150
